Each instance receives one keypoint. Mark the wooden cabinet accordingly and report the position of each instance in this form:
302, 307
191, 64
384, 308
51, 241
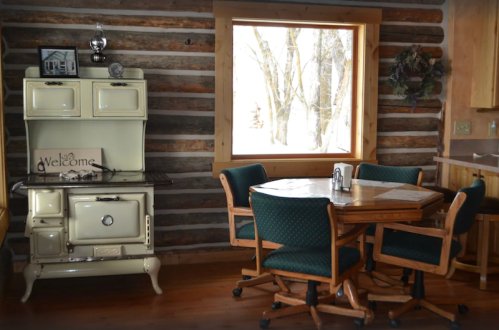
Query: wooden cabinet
491, 182
485, 81
462, 177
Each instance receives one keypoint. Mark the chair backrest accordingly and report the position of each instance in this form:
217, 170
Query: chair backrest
467, 213
240, 179
299, 222
410, 175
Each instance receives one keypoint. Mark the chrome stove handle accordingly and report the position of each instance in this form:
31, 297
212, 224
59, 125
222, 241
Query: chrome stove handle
53, 83
111, 199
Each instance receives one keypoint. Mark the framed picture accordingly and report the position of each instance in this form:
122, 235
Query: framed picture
58, 62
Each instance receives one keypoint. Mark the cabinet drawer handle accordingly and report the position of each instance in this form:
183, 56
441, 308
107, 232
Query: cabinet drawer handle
112, 199
53, 83
119, 84
481, 177
475, 175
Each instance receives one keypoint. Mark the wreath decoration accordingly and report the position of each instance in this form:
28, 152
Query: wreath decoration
410, 61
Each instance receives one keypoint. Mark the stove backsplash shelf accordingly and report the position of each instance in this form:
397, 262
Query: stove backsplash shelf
85, 113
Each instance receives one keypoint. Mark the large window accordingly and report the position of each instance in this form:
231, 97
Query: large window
293, 90
296, 86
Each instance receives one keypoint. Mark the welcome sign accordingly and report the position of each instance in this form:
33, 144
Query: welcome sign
62, 160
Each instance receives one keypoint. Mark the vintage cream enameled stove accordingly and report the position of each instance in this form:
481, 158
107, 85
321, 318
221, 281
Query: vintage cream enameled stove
103, 225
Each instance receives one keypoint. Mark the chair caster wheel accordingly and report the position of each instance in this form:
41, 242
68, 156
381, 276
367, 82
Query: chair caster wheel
359, 323
246, 277
455, 325
463, 309
405, 279
373, 305
264, 323
395, 323
417, 308
276, 305
340, 292
237, 292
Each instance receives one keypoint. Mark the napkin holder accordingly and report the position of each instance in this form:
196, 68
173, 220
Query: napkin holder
342, 176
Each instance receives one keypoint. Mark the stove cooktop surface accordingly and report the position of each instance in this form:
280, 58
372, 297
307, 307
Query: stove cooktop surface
103, 179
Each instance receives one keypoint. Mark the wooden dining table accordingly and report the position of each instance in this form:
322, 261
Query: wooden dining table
362, 203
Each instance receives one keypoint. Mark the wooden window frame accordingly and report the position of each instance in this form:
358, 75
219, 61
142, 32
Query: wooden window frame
4, 197
366, 21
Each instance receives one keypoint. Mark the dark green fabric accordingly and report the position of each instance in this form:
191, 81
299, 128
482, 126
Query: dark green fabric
467, 213
241, 179
371, 231
300, 222
416, 247
372, 172
312, 261
389, 173
247, 231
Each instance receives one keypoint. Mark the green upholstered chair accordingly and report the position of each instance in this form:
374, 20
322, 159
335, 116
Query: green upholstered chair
488, 212
312, 251
429, 249
408, 175
237, 182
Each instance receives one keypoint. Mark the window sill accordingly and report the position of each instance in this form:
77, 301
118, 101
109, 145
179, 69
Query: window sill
291, 168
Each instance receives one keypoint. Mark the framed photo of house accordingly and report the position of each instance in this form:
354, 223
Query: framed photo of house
58, 62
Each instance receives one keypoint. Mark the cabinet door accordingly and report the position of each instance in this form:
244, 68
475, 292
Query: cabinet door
53, 98
491, 183
461, 177
115, 99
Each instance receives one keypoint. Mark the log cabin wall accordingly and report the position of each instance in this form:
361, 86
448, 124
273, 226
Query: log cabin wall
191, 215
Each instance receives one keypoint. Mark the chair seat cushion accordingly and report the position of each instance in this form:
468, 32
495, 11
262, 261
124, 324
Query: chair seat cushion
247, 231
312, 261
416, 247
490, 205
449, 195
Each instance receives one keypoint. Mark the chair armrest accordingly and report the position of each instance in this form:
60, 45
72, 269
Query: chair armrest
435, 232
346, 238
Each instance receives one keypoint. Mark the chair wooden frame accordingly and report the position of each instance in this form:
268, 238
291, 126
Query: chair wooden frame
442, 268
348, 279
240, 211
234, 211
482, 258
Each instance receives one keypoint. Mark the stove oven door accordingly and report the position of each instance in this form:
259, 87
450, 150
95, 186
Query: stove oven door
107, 219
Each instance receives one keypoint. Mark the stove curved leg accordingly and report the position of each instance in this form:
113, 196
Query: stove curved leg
31, 274
151, 267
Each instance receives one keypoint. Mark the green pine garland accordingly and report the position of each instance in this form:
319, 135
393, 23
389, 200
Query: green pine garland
414, 60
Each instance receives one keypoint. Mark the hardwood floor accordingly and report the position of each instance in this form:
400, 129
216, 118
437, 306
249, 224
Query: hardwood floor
200, 297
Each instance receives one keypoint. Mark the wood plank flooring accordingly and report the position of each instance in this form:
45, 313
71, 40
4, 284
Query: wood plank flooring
200, 297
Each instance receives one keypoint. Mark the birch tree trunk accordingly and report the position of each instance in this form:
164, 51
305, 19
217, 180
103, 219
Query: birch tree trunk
314, 122
284, 112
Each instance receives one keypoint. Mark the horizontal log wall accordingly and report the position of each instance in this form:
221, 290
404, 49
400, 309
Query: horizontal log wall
191, 214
